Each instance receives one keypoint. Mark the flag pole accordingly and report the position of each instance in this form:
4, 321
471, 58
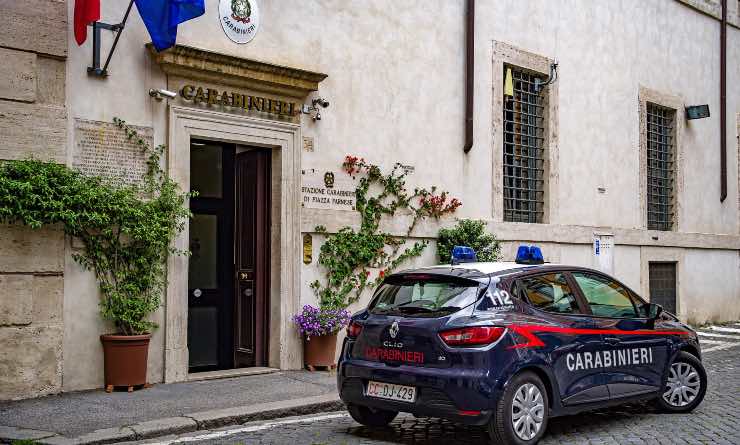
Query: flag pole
119, 29
97, 26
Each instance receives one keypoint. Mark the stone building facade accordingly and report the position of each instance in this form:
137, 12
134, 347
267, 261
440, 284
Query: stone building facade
33, 122
394, 75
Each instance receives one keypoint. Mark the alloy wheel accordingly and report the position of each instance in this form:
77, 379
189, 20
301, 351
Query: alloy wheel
527, 411
683, 384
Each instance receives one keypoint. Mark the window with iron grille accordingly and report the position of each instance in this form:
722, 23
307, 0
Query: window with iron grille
524, 137
660, 166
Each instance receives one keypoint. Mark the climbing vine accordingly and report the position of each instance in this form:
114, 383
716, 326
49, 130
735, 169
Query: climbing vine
126, 230
348, 255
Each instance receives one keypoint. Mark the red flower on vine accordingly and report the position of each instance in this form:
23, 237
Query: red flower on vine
353, 164
437, 205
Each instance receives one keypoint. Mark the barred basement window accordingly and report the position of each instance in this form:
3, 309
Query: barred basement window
524, 136
661, 160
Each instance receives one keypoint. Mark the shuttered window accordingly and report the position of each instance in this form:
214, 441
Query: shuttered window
661, 160
524, 137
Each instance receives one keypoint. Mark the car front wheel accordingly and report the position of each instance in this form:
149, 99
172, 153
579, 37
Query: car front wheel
521, 413
371, 416
684, 386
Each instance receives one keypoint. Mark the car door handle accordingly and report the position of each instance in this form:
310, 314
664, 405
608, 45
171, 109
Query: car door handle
612, 340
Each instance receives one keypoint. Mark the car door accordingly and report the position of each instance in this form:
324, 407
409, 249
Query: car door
633, 354
568, 334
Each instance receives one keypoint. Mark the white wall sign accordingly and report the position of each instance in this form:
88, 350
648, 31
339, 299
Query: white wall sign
240, 19
327, 190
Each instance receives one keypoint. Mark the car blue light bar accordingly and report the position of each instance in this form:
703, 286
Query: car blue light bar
529, 255
463, 254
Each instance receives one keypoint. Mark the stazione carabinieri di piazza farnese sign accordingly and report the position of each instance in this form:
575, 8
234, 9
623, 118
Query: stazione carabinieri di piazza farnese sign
234, 100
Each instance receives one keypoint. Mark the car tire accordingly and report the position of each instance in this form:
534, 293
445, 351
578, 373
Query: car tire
680, 384
371, 416
528, 388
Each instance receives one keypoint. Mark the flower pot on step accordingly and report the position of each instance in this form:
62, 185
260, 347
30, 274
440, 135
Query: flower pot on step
126, 359
320, 350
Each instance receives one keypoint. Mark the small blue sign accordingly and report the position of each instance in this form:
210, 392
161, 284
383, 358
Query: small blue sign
597, 246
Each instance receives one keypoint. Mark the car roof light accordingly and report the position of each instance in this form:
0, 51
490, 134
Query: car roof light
529, 255
463, 254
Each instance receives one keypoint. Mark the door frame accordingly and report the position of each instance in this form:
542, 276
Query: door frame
283, 137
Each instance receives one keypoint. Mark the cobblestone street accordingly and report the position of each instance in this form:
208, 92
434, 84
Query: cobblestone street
715, 421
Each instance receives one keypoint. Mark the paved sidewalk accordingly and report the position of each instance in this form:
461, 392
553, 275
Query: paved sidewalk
99, 417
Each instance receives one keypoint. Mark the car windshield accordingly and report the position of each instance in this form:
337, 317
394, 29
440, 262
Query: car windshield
423, 296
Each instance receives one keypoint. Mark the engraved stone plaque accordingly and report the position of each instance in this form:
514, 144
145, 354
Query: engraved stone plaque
102, 149
327, 190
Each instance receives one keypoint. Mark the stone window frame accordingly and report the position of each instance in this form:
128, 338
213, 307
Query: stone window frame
647, 95
506, 54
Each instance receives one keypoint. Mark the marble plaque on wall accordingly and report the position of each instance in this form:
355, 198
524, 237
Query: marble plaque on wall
102, 149
331, 190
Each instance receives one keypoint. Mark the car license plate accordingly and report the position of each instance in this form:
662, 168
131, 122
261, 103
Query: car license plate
390, 391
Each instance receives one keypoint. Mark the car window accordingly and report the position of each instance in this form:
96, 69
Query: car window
400, 295
549, 292
605, 297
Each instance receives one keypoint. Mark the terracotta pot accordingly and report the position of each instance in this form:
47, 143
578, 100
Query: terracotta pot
320, 350
125, 359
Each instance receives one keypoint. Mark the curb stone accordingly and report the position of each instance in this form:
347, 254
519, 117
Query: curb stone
184, 424
10, 433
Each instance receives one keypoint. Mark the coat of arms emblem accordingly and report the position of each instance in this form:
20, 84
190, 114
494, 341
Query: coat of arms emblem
240, 19
241, 10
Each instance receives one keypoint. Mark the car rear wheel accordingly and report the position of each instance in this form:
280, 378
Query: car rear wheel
684, 386
371, 416
521, 413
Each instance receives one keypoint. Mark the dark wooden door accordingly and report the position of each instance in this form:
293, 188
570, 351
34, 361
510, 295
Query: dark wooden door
252, 232
210, 272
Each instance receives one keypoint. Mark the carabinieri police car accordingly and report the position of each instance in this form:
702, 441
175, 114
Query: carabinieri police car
510, 345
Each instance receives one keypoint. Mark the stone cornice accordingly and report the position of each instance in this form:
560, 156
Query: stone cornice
208, 66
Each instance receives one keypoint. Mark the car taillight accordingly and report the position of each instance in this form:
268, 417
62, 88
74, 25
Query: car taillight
354, 329
474, 336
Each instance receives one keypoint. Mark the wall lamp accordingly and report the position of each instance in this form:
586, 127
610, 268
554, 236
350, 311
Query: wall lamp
160, 94
539, 84
315, 108
697, 111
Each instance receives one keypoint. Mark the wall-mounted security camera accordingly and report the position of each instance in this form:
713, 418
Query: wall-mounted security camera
160, 94
320, 101
316, 105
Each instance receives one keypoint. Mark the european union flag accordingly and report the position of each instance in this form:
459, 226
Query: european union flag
161, 18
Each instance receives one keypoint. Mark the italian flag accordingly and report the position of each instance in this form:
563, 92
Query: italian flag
86, 12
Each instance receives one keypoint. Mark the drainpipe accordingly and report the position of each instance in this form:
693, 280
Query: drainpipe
469, 66
723, 103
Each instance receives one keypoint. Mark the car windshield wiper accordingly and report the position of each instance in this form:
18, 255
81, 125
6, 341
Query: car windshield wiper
426, 309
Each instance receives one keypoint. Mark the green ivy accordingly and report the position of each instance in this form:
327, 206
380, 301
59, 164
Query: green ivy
471, 233
126, 231
348, 254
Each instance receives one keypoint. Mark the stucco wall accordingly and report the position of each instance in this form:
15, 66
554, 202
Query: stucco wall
396, 90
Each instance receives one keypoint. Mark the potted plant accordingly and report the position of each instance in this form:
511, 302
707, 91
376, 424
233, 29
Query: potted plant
319, 327
126, 231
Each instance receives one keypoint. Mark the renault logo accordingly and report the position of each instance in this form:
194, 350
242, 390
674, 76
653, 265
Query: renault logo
394, 329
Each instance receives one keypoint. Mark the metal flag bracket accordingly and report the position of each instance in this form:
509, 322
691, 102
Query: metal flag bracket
95, 69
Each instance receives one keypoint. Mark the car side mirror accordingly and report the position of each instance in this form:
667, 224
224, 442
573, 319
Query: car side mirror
653, 310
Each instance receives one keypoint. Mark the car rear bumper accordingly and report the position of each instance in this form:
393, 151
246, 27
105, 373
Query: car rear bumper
463, 396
